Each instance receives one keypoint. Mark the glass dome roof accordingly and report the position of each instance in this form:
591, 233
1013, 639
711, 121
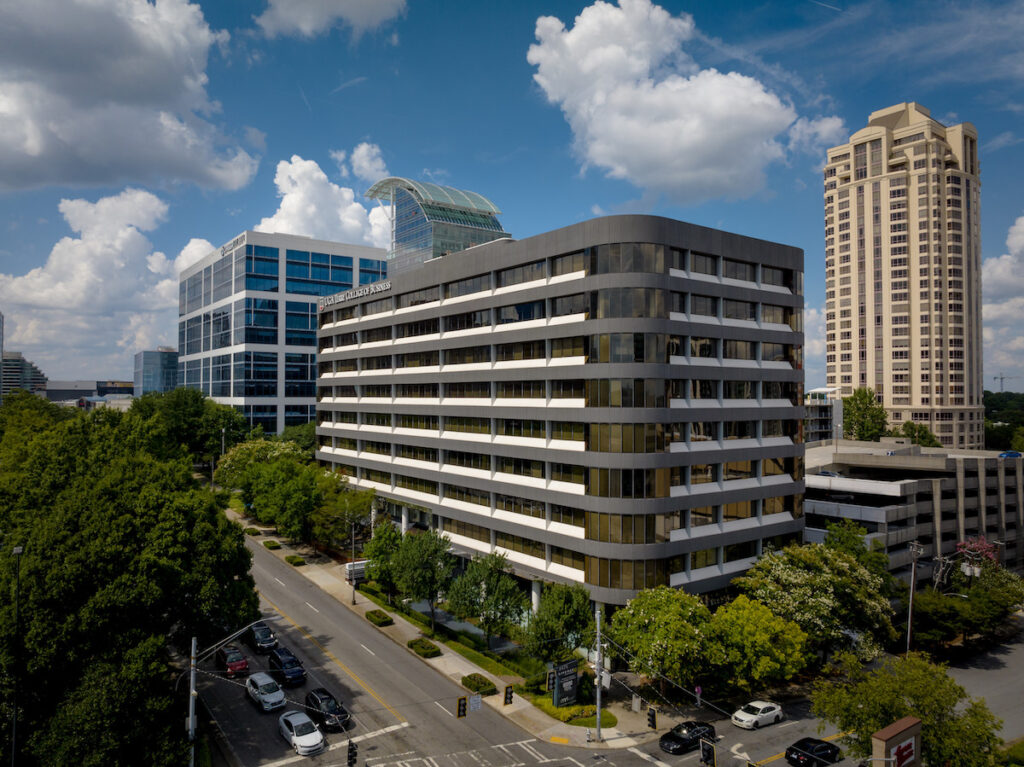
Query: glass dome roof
426, 192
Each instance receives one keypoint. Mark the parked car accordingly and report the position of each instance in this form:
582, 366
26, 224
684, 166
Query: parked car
286, 667
301, 733
686, 737
1010, 454
324, 708
757, 713
264, 691
813, 752
260, 638
231, 661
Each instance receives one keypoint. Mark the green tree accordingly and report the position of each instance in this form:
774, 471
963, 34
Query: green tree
234, 469
186, 420
424, 567
285, 493
863, 417
659, 633
303, 435
847, 536
917, 433
938, 619
486, 591
341, 509
749, 647
563, 622
956, 730
826, 592
380, 554
1017, 443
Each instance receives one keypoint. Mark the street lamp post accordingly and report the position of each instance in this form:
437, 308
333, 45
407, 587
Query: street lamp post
353, 560
17, 651
916, 550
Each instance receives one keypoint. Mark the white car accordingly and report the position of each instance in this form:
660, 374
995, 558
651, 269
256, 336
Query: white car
757, 713
301, 733
264, 691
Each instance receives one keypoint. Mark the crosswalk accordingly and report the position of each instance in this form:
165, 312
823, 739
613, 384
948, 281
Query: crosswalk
523, 753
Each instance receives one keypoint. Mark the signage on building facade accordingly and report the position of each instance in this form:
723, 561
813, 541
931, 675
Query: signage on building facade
348, 295
239, 240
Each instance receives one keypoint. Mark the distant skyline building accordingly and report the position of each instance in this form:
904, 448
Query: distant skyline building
823, 415
617, 403
429, 220
156, 371
247, 320
903, 271
20, 373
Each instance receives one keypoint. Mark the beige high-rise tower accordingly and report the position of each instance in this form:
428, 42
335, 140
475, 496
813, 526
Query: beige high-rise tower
903, 271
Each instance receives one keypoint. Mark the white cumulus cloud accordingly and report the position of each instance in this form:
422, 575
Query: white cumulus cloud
1002, 285
97, 299
644, 111
314, 206
309, 18
814, 346
367, 163
106, 91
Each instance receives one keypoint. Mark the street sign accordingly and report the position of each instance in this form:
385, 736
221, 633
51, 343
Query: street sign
475, 702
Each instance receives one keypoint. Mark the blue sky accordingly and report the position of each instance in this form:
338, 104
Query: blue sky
134, 136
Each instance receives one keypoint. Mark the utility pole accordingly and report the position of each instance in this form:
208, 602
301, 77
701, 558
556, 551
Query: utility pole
192, 695
600, 669
353, 562
916, 550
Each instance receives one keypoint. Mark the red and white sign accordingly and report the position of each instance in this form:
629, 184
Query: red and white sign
903, 753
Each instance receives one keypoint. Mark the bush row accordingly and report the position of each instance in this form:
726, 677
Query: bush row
424, 647
479, 683
379, 618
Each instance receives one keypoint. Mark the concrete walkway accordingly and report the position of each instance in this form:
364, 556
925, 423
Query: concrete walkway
329, 576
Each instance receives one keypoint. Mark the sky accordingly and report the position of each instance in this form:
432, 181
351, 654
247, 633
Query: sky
137, 136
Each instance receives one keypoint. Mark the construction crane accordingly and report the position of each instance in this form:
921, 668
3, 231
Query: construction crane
1002, 380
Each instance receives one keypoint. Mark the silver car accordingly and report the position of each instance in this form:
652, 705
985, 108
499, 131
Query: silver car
264, 691
301, 733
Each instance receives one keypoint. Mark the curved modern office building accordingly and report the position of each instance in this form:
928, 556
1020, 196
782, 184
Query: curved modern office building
616, 403
429, 220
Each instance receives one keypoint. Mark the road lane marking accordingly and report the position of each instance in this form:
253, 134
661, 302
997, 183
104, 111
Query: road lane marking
787, 724
443, 708
338, 744
559, 739
648, 757
280, 581
341, 665
370, 651
311, 607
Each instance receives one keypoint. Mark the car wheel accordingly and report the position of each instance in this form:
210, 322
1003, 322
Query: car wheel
778, 719
756, 724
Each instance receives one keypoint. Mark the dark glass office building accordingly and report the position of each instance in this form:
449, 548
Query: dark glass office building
247, 320
156, 371
616, 403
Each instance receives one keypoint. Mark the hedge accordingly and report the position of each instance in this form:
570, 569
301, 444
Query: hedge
272, 544
252, 531
379, 618
424, 647
295, 560
479, 683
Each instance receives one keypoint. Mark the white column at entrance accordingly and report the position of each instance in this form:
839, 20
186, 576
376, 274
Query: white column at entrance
405, 519
535, 596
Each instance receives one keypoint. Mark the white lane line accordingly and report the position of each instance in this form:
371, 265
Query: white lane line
787, 724
443, 708
279, 581
372, 653
648, 757
311, 607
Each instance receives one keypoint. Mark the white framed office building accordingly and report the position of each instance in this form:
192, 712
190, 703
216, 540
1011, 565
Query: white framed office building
247, 320
617, 403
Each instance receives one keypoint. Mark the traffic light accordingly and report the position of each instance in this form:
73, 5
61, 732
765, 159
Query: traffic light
353, 751
508, 695
707, 753
460, 709
652, 718
551, 681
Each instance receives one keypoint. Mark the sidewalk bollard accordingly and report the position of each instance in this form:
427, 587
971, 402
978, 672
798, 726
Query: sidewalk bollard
589, 738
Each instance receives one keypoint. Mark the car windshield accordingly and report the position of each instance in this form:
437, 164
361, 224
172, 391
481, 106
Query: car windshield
330, 705
269, 687
750, 709
681, 729
233, 656
305, 728
290, 663
261, 632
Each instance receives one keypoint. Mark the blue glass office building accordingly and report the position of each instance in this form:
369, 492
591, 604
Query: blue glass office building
247, 320
429, 220
156, 371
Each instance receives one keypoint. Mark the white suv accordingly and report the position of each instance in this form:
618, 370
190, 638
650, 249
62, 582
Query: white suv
264, 691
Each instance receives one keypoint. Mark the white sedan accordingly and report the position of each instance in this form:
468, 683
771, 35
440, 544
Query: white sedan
757, 713
301, 733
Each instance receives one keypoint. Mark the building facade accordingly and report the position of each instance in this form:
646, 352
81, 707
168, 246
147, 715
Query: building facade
901, 493
430, 221
823, 415
247, 321
155, 371
903, 271
617, 403
20, 373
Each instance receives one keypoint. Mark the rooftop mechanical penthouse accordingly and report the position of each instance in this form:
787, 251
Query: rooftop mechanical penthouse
616, 403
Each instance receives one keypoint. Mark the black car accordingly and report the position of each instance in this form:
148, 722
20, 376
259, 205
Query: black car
260, 638
324, 708
686, 737
286, 667
812, 752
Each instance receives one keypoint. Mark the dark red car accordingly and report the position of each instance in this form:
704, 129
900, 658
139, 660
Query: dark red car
231, 661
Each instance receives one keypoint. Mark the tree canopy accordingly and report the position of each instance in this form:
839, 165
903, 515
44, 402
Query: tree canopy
380, 555
186, 419
917, 433
864, 418
956, 730
487, 592
124, 555
424, 567
563, 622
847, 536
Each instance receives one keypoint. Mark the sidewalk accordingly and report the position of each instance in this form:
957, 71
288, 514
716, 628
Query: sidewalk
329, 576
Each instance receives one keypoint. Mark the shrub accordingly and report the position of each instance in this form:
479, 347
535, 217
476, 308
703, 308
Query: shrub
252, 531
295, 560
379, 618
424, 647
479, 683
272, 544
